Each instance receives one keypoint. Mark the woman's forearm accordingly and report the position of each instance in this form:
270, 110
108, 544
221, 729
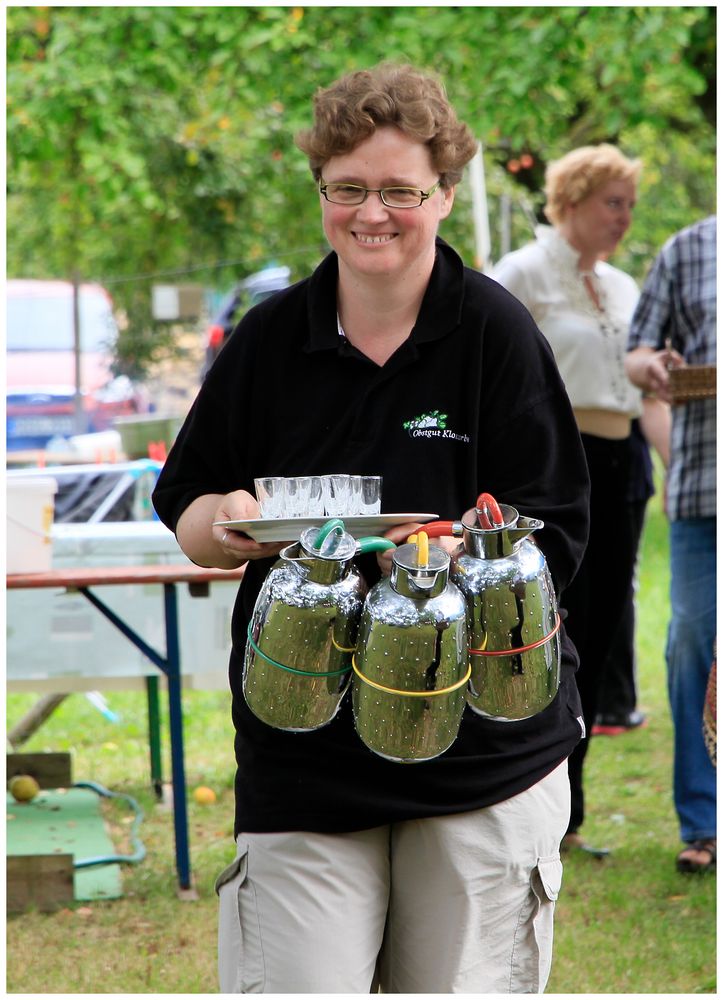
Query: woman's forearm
199, 539
217, 546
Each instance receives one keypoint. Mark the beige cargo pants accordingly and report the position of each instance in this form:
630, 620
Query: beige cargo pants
452, 904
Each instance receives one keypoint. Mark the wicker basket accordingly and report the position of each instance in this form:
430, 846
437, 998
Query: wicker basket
710, 714
692, 382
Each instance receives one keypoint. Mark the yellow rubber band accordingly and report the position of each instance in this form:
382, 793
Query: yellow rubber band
410, 694
342, 649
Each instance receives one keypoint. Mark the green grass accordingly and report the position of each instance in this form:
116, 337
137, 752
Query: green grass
629, 924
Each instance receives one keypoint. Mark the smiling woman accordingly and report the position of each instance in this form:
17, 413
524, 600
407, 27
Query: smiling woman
394, 136
358, 355
391, 246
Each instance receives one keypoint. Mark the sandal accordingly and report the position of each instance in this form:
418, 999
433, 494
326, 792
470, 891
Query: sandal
686, 862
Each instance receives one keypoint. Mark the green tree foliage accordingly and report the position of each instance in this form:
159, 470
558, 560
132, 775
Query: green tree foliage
156, 143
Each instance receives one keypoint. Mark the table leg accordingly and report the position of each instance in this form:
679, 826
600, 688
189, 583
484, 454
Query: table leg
171, 667
180, 815
154, 735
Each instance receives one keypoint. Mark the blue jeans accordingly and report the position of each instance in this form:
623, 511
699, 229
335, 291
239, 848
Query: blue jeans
689, 656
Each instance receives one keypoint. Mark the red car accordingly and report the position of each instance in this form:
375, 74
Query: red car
40, 364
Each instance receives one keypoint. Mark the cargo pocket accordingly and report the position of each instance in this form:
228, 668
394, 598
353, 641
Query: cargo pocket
546, 884
229, 873
533, 939
549, 873
240, 953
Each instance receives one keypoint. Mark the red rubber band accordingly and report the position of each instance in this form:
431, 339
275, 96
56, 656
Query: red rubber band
519, 649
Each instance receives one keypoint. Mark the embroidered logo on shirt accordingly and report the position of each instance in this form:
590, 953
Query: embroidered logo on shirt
432, 425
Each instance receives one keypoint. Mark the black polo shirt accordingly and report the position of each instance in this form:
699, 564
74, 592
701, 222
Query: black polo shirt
472, 401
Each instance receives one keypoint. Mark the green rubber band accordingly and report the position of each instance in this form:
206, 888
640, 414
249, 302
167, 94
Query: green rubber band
294, 670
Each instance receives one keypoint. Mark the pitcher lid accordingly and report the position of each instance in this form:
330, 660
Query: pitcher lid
336, 544
419, 578
407, 556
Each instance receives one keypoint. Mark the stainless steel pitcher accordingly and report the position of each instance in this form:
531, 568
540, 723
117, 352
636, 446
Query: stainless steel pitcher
303, 629
512, 615
411, 667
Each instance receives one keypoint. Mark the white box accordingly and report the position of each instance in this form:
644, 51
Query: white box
30, 505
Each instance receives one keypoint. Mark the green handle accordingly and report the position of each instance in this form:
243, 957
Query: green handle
374, 544
335, 524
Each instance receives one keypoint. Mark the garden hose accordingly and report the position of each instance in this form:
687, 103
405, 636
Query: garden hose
140, 850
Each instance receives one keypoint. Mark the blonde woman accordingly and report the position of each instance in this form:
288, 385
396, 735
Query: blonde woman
584, 305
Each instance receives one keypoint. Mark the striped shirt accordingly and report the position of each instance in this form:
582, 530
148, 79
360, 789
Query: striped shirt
678, 302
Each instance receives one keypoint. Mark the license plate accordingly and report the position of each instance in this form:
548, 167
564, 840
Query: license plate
35, 426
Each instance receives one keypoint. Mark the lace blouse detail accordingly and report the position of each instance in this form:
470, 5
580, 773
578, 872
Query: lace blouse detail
589, 339
563, 260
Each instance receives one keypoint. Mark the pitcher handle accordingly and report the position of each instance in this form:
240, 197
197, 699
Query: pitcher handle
335, 524
374, 543
438, 529
488, 512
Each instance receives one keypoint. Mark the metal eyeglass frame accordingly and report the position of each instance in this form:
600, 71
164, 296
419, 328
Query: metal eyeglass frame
423, 195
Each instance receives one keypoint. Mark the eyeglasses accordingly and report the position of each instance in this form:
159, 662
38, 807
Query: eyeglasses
392, 197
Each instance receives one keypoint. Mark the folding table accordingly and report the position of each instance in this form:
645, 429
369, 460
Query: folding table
168, 577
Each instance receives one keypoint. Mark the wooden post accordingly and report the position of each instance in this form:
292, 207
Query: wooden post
33, 720
50, 770
40, 881
79, 420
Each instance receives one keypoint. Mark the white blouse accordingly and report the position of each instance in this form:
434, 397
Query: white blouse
589, 343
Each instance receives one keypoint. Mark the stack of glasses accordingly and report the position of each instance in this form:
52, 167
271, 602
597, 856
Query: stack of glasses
319, 496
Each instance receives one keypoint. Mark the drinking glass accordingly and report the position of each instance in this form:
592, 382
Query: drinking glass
295, 488
314, 497
303, 496
354, 505
337, 494
270, 495
370, 495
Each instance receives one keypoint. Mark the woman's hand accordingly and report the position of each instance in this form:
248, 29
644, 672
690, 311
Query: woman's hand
241, 506
649, 370
400, 533
209, 544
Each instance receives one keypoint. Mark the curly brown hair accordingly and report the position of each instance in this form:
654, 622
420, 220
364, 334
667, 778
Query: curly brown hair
348, 111
569, 180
